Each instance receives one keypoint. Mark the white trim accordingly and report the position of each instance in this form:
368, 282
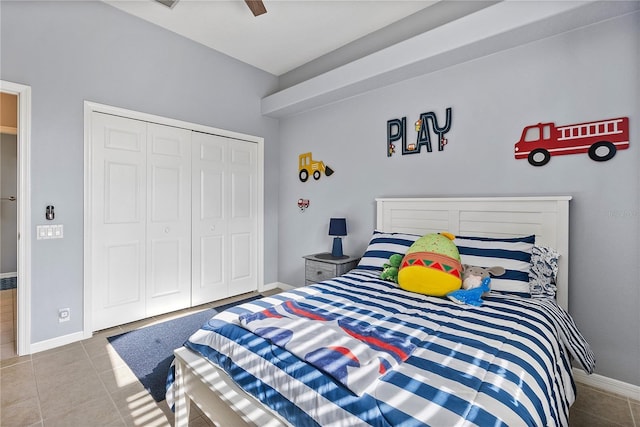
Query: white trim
90, 107
8, 275
37, 347
610, 385
131, 114
279, 285
23, 335
260, 207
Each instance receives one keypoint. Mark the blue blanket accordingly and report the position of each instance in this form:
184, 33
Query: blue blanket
353, 354
505, 363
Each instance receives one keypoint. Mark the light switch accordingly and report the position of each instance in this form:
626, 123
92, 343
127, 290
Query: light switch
55, 231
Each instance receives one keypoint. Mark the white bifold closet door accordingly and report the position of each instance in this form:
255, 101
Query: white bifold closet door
223, 217
173, 218
168, 261
141, 196
119, 210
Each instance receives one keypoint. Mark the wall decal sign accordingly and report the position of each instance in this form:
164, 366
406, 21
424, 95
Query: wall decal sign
307, 166
303, 204
601, 139
397, 131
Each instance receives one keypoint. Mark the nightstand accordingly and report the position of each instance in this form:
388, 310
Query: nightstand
323, 266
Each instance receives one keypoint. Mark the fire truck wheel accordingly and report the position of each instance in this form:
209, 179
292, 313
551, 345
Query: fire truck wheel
602, 151
304, 175
316, 175
539, 157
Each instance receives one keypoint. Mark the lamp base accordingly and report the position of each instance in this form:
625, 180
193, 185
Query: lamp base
337, 247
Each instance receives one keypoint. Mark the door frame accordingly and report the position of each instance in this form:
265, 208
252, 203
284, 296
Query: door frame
91, 107
23, 318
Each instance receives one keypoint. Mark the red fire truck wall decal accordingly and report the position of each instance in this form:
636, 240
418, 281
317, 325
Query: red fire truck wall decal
601, 139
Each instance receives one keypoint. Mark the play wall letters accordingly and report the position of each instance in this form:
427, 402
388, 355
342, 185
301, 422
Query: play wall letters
397, 131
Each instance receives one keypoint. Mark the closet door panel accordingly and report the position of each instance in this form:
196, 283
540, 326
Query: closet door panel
118, 220
209, 223
123, 274
242, 223
168, 260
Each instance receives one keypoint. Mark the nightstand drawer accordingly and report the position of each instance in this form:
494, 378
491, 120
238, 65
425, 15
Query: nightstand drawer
323, 266
318, 271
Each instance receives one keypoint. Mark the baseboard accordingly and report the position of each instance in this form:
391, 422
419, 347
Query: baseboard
7, 275
273, 285
607, 384
56, 342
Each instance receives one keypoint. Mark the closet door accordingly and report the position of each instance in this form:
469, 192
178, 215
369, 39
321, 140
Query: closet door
168, 260
224, 217
242, 216
118, 205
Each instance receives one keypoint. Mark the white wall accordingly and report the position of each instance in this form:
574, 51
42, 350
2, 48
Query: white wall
589, 74
69, 52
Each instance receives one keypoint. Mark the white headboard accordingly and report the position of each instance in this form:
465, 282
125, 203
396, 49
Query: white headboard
546, 217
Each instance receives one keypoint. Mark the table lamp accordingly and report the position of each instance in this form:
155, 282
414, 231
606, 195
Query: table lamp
337, 228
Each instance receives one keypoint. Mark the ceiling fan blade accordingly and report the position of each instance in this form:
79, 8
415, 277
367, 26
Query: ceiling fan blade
168, 3
256, 6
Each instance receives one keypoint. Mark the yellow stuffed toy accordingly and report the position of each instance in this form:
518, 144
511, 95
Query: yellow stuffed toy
431, 266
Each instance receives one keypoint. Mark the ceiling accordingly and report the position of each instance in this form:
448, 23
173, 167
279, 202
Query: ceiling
290, 34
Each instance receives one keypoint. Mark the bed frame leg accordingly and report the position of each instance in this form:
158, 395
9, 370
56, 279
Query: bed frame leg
182, 400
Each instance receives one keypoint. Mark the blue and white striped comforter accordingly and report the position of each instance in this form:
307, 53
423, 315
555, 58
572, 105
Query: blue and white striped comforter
504, 363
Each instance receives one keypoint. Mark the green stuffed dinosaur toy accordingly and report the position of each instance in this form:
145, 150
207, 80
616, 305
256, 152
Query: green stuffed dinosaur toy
390, 269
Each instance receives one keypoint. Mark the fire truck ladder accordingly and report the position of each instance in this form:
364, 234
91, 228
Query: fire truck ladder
607, 127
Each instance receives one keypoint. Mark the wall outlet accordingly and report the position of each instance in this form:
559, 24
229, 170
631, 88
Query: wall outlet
64, 315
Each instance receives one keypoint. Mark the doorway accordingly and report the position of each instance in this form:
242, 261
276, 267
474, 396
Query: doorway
15, 252
8, 223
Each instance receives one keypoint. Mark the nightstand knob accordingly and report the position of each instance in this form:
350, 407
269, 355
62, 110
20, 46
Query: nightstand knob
318, 272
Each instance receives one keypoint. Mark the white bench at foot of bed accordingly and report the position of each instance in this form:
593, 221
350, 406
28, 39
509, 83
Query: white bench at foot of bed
196, 377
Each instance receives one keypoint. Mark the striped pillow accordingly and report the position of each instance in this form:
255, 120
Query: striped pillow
514, 254
382, 246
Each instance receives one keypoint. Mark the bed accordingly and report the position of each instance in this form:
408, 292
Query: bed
506, 362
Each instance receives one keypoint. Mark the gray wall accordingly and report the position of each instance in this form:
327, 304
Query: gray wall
69, 52
8, 210
584, 75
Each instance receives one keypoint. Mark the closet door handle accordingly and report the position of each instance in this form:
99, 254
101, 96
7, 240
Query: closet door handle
10, 198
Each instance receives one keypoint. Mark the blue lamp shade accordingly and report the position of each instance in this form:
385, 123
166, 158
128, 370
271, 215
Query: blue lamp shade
337, 228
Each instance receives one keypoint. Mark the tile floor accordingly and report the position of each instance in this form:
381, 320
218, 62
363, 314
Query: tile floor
7, 323
86, 383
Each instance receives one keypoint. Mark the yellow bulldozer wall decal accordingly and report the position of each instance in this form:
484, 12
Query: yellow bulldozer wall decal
309, 167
